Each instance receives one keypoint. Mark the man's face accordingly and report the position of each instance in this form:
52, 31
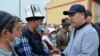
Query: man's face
11, 36
38, 22
16, 32
66, 27
76, 19
89, 19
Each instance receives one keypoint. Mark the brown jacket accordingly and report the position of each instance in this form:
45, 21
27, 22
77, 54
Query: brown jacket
62, 39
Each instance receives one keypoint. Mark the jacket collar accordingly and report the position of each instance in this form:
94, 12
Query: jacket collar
81, 26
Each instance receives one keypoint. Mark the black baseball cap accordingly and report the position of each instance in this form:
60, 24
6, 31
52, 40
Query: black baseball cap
75, 8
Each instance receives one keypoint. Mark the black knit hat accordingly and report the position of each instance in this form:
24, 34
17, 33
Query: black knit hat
65, 22
88, 13
4, 18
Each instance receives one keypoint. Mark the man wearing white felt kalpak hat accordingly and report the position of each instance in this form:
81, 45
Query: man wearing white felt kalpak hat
31, 42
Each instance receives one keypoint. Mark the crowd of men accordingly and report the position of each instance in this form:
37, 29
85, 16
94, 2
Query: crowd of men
78, 36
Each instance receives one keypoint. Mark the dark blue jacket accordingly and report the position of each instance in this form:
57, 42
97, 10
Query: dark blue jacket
35, 41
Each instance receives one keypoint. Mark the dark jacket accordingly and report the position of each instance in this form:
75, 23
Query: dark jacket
35, 42
98, 31
62, 39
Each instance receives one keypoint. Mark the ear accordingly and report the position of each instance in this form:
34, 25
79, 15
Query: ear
81, 15
4, 32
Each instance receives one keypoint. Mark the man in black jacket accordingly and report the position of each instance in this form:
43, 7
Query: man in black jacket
31, 44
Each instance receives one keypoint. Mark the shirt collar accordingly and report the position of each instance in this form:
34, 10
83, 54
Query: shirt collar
81, 26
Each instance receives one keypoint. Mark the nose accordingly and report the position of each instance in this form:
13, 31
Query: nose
70, 18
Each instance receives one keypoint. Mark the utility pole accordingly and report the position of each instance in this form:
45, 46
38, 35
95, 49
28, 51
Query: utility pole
19, 8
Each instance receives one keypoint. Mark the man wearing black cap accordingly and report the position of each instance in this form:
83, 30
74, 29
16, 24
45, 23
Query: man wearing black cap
84, 40
63, 35
10, 31
31, 41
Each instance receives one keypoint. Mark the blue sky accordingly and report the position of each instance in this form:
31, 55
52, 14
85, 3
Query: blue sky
12, 6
